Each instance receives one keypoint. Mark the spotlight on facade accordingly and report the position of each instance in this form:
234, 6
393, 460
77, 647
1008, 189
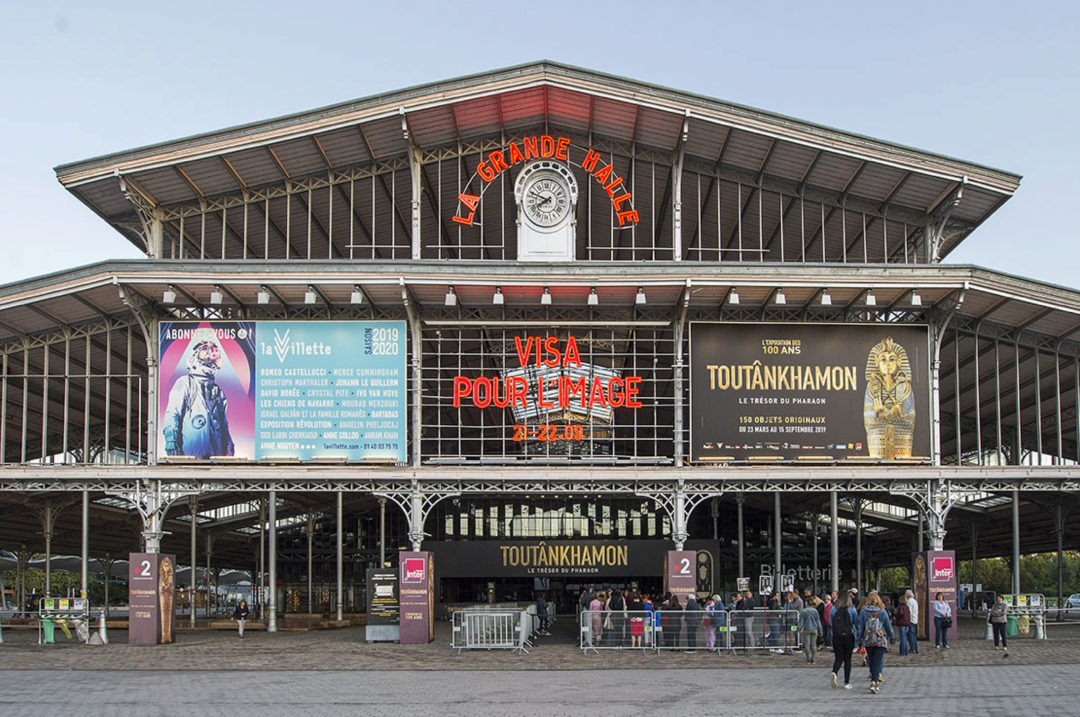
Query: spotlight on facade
781, 298
545, 298
357, 296
263, 297
310, 297
216, 296
594, 300
916, 298
497, 298
169, 297
826, 298
871, 300
451, 297
640, 300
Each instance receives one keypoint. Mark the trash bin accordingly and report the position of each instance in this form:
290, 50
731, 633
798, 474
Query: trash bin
48, 630
1010, 628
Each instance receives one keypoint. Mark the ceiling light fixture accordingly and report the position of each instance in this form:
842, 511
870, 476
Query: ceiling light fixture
169, 297
594, 300
451, 298
263, 296
871, 300
780, 299
310, 297
216, 296
497, 298
640, 300
733, 297
826, 298
916, 299
357, 295
545, 298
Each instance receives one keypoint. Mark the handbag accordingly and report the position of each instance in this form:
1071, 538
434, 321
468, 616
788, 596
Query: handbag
946, 622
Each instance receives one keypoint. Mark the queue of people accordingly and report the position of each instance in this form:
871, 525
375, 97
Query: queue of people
842, 622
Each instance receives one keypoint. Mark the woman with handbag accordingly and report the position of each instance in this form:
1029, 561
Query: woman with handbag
942, 621
997, 620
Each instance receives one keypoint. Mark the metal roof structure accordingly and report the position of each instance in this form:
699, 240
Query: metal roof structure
833, 215
730, 139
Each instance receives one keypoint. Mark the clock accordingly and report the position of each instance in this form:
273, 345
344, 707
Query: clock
546, 195
546, 198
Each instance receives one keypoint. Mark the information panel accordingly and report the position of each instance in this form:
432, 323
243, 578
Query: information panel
809, 390
286, 389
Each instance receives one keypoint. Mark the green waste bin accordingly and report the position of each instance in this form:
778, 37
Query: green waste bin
1011, 630
48, 629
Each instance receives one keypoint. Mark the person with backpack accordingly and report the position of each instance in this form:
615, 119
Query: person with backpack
875, 632
902, 623
843, 618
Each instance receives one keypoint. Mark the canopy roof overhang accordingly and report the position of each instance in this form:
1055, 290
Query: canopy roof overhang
52, 303
548, 96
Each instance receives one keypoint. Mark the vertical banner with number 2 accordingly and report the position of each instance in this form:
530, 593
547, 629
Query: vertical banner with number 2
680, 573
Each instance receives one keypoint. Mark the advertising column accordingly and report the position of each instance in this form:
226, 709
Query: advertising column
934, 572
416, 597
151, 598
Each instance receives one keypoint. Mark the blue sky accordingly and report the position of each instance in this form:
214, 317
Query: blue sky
994, 83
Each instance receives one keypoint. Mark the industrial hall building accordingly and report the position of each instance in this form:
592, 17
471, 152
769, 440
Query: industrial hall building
547, 324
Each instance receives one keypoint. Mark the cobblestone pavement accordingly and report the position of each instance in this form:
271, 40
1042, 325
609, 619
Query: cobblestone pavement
1007, 689
345, 649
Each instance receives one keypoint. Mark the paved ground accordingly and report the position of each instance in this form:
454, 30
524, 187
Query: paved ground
335, 672
345, 649
1005, 689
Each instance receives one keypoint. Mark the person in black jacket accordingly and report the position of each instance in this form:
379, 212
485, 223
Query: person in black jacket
240, 614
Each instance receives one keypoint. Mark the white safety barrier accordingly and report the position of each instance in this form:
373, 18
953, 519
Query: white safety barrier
492, 629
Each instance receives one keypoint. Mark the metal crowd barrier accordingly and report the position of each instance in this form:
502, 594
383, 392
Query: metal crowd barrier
761, 629
690, 631
482, 628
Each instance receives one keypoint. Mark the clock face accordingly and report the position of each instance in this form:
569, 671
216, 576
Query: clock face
546, 200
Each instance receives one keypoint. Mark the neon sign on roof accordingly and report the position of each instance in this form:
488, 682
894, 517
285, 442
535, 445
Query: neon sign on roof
547, 147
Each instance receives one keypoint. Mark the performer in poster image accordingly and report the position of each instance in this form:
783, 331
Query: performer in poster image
889, 405
196, 422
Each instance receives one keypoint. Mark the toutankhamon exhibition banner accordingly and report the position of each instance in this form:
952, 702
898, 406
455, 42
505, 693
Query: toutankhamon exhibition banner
809, 391
299, 390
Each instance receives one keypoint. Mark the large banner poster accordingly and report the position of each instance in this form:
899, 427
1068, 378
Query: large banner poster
809, 390
282, 389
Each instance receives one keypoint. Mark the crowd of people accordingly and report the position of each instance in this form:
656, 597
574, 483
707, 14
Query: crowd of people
841, 622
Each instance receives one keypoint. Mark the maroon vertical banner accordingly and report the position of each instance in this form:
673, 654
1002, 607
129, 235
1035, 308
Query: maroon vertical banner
680, 573
416, 596
933, 572
151, 598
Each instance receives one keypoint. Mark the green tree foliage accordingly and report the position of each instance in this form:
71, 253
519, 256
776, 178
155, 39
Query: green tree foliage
1038, 573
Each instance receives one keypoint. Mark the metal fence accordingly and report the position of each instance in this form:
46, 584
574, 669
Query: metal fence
690, 631
494, 628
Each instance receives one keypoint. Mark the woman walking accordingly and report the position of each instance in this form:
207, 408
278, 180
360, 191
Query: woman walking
875, 633
810, 627
843, 618
240, 614
942, 621
997, 621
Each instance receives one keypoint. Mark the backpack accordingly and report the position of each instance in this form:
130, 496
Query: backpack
903, 615
874, 631
616, 602
841, 623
